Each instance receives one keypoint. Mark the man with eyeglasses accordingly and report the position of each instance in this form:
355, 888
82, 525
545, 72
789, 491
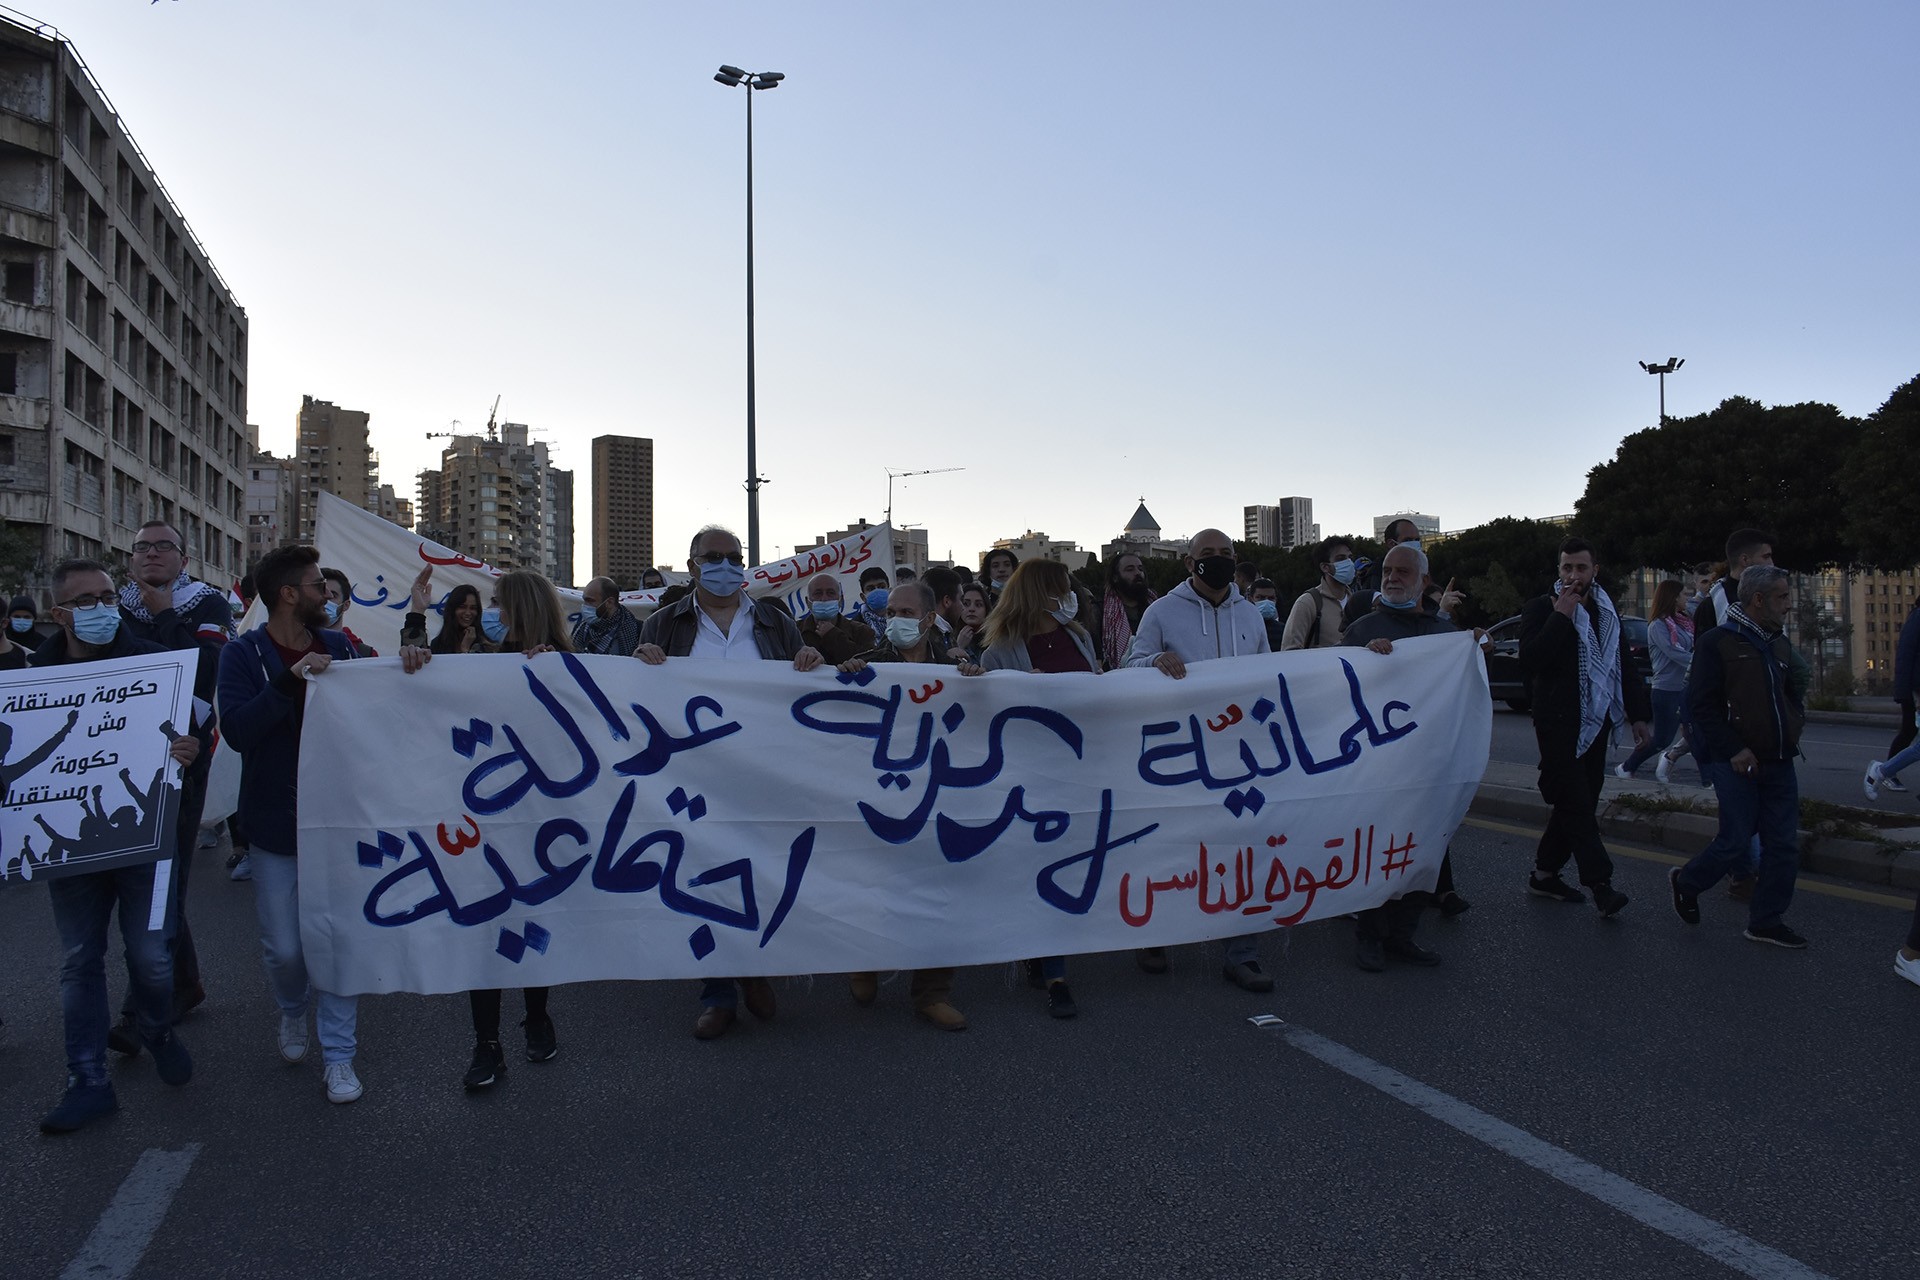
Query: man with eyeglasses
163, 605
263, 677
717, 620
83, 905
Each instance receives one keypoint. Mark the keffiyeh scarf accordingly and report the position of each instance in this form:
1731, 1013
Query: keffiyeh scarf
187, 593
1116, 633
1600, 689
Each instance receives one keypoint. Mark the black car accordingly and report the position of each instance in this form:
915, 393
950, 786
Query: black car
1503, 662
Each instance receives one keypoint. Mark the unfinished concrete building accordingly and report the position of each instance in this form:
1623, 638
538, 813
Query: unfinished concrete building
123, 355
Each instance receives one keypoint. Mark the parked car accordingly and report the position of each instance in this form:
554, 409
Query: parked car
1503, 661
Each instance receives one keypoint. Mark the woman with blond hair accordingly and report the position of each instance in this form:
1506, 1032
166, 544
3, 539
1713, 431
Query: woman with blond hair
1670, 637
1034, 627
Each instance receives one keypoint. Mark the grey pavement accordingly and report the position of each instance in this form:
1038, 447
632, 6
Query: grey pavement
1158, 1134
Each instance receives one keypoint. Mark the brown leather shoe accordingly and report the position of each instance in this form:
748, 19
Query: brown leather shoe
712, 1023
864, 987
943, 1016
757, 995
1740, 888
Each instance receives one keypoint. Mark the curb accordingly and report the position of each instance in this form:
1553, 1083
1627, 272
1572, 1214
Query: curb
1863, 719
1860, 861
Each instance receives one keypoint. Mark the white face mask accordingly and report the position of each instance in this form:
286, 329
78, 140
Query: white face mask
1067, 608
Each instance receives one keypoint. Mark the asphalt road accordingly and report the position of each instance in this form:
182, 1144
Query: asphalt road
1159, 1134
1835, 755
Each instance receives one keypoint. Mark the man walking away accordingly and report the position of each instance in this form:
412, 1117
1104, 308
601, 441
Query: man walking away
1747, 721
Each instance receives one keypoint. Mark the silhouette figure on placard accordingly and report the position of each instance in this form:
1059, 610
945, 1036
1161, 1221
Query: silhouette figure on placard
98, 828
11, 773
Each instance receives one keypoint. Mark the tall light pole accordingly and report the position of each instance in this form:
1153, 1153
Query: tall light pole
1662, 370
733, 78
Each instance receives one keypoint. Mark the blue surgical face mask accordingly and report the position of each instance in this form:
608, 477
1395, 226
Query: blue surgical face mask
722, 579
825, 610
20, 625
98, 625
877, 599
903, 633
333, 614
1343, 572
1397, 604
493, 626
1269, 609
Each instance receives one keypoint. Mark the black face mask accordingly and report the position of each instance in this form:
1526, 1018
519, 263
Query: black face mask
1215, 571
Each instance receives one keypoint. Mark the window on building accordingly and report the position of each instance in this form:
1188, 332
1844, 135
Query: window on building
19, 282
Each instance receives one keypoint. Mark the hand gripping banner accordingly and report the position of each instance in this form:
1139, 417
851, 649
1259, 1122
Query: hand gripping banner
494, 821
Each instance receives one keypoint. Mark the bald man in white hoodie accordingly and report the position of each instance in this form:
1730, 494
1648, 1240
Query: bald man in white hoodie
1204, 618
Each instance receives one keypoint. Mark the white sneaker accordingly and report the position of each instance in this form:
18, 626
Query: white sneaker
342, 1084
1620, 770
293, 1038
243, 869
1893, 784
1663, 767
1871, 783
1905, 968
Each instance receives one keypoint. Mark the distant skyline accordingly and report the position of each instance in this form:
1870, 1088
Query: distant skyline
1399, 258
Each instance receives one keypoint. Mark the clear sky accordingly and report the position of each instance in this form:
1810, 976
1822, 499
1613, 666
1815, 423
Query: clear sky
1389, 255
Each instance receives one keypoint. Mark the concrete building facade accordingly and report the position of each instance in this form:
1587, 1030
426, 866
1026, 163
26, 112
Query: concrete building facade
622, 508
1429, 526
332, 451
1031, 545
1286, 524
501, 500
269, 504
123, 354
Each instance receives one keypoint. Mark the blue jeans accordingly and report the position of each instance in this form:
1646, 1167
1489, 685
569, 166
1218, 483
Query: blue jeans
1765, 803
83, 906
1892, 768
276, 898
1667, 705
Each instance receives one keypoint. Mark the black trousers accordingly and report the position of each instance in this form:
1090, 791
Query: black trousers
1571, 784
486, 1010
1394, 920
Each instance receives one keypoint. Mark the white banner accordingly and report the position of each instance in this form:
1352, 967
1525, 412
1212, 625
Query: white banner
86, 781
498, 822
381, 560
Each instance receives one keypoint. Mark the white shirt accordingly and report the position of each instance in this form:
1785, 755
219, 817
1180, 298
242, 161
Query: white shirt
735, 645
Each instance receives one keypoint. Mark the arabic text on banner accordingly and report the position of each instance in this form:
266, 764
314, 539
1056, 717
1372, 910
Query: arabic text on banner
498, 822
86, 782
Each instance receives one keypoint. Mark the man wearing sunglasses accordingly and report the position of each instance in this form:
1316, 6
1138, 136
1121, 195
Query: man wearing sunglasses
717, 620
163, 605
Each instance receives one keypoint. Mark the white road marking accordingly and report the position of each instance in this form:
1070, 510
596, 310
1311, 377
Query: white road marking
121, 1236
1719, 1242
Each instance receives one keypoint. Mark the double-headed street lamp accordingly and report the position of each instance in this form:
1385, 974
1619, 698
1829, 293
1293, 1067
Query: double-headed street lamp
733, 78
1673, 363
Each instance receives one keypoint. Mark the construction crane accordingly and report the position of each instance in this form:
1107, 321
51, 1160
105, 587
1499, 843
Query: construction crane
893, 475
445, 435
493, 425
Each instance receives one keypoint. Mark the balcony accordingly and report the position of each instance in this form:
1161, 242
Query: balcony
25, 411
26, 321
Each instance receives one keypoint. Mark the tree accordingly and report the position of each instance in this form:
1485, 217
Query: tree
1882, 483
1673, 493
1500, 565
19, 553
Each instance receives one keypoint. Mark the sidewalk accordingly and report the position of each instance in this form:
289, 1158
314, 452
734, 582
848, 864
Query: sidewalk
1509, 791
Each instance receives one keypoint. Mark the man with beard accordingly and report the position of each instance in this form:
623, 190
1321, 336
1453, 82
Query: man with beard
606, 626
1121, 606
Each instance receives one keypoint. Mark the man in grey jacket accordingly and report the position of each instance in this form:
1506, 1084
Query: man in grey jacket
1204, 618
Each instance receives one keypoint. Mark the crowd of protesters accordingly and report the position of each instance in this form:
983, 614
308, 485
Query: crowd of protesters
1726, 687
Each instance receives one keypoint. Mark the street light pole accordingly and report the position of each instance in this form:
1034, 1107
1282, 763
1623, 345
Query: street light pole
733, 78
1662, 370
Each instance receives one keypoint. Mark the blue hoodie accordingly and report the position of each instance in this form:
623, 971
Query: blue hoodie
262, 706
